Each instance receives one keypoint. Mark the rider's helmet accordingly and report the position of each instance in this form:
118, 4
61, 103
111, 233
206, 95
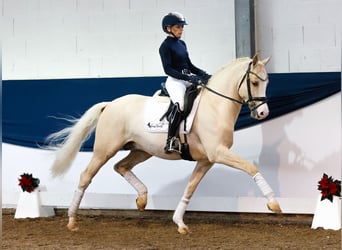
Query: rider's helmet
171, 19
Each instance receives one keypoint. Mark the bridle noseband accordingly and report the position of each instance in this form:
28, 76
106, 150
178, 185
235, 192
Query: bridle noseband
250, 99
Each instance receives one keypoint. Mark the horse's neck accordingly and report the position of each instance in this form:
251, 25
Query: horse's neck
227, 79
226, 82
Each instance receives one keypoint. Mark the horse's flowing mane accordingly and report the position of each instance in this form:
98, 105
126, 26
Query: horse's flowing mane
227, 67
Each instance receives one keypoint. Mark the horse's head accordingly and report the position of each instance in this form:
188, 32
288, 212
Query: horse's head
252, 88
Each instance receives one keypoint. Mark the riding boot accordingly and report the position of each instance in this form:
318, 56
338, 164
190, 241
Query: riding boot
173, 143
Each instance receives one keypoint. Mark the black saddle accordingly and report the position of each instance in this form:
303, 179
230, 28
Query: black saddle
189, 98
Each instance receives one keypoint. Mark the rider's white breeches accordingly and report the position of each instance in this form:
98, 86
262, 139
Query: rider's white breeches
176, 89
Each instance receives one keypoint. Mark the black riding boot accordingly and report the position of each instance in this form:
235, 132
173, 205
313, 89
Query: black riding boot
173, 143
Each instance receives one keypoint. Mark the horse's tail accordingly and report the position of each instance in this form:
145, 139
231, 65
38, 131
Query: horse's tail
70, 139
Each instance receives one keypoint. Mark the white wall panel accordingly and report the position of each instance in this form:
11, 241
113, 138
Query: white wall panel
280, 60
142, 5
329, 60
320, 36
282, 39
280, 25
304, 59
304, 30
82, 35
309, 15
113, 5
168, 6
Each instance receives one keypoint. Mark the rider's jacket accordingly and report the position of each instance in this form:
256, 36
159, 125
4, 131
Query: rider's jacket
175, 59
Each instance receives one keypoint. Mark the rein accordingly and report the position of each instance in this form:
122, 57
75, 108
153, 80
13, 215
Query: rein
250, 97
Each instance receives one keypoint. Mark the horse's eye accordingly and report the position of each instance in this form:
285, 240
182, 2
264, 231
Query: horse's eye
255, 84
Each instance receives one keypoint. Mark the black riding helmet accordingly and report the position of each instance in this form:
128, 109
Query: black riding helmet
171, 19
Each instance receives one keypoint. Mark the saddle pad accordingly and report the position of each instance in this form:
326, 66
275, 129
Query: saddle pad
156, 107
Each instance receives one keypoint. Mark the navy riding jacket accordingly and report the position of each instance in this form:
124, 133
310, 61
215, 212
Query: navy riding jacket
175, 59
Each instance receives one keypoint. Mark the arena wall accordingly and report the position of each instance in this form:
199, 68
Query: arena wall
300, 35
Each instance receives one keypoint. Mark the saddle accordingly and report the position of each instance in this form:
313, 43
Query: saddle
189, 98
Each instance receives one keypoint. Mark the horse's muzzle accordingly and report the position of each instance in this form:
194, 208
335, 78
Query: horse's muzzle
260, 112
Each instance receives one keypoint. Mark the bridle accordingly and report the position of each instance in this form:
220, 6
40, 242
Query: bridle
250, 99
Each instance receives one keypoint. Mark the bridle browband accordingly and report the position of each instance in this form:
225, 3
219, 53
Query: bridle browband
250, 97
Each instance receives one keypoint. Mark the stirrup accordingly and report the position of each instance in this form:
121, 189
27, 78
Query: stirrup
173, 146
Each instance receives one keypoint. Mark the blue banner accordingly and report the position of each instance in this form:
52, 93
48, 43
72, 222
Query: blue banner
30, 107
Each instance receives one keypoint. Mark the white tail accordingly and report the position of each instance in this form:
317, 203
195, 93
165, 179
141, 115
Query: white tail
72, 138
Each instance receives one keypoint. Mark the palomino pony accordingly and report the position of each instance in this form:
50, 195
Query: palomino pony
119, 126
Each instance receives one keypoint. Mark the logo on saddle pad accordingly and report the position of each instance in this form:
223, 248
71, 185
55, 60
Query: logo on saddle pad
156, 107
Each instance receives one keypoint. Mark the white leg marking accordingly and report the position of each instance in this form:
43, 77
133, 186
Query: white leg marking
135, 182
180, 210
264, 187
75, 202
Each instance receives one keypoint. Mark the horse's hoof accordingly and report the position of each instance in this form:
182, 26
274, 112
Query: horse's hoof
274, 207
183, 230
141, 202
72, 228
72, 225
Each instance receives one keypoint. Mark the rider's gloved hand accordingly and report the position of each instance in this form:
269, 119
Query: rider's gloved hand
194, 79
205, 77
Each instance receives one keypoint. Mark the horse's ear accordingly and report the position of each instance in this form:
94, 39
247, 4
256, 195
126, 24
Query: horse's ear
255, 59
266, 60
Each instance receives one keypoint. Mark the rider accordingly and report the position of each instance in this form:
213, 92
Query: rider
181, 73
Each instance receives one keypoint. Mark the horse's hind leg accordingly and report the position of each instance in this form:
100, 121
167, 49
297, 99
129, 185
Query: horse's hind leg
93, 167
124, 167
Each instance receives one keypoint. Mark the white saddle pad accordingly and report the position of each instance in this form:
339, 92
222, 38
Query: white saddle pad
156, 107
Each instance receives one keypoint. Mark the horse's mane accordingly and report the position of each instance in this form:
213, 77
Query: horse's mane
230, 65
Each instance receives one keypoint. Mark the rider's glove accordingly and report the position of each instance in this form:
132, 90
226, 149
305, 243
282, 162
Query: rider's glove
205, 78
195, 80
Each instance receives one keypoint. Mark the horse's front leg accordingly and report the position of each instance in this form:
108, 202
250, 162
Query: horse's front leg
200, 170
225, 156
124, 167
